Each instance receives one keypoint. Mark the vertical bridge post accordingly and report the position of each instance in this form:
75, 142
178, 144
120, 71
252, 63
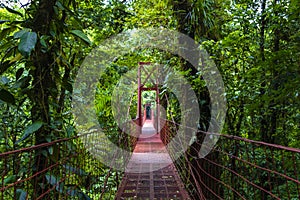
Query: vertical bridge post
139, 106
157, 103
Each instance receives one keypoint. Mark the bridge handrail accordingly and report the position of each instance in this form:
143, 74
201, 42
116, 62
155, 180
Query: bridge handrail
296, 150
237, 167
68, 170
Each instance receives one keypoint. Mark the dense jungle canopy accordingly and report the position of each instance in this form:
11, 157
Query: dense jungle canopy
255, 45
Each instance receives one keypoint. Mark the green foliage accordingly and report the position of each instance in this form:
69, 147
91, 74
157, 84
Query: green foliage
29, 130
82, 36
54, 181
6, 96
21, 194
27, 42
151, 13
10, 179
255, 47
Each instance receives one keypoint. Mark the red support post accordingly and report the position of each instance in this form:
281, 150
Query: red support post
157, 109
139, 106
157, 102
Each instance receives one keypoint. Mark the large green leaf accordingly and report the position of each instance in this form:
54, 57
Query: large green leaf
4, 66
27, 43
82, 36
30, 129
22, 83
75, 170
4, 80
55, 181
19, 73
83, 196
72, 192
10, 179
21, 194
52, 179
21, 32
6, 96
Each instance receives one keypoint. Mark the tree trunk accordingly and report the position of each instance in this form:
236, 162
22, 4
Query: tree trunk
275, 85
264, 121
42, 84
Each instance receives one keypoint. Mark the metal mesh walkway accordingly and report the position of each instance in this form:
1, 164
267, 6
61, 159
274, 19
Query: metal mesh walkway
150, 173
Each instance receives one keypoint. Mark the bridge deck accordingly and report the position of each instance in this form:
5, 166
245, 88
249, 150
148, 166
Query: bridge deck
150, 173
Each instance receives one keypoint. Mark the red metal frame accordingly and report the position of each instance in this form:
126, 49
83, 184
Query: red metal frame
141, 88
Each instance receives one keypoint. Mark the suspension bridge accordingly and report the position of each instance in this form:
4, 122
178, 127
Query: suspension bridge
236, 168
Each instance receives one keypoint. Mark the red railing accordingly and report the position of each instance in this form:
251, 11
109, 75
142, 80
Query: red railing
62, 169
238, 168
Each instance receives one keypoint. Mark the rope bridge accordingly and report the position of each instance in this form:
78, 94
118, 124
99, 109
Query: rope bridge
62, 169
237, 168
